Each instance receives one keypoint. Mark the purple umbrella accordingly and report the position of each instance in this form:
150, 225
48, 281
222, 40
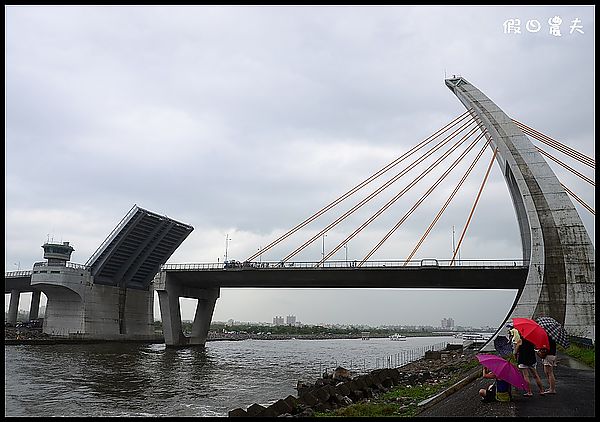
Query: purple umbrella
503, 346
504, 370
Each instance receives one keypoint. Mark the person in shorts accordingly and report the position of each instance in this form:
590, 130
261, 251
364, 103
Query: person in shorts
549, 361
527, 362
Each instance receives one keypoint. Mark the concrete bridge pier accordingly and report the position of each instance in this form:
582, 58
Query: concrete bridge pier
13, 308
34, 308
169, 292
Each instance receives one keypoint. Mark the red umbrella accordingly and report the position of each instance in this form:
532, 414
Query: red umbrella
532, 331
504, 370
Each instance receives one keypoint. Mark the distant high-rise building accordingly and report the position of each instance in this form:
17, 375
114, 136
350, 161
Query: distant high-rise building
290, 320
448, 323
277, 320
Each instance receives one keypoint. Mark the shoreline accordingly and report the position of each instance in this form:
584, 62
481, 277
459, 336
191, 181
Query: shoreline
335, 391
214, 337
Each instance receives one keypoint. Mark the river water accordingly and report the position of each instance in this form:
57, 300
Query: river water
152, 380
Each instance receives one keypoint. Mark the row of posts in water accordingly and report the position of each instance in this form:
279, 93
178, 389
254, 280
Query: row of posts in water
363, 366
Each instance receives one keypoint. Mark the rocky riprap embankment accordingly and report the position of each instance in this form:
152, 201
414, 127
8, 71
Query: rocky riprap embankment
11, 333
340, 389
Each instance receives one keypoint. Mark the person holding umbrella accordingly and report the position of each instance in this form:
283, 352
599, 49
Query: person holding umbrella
556, 334
549, 361
527, 361
504, 373
499, 390
488, 394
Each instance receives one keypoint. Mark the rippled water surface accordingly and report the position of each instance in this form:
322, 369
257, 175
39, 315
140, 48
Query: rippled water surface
151, 380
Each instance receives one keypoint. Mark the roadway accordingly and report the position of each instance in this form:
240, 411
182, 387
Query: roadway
443, 277
383, 276
21, 283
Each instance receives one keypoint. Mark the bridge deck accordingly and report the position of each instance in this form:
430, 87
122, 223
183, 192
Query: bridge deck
463, 277
306, 275
21, 283
134, 251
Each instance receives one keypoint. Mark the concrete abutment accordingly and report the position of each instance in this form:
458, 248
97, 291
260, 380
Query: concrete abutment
78, 308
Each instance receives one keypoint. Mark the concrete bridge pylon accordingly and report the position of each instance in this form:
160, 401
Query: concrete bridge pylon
561, 277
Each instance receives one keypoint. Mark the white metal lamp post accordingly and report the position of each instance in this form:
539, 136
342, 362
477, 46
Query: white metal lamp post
227, 239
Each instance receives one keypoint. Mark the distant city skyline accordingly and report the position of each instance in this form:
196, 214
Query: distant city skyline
231, 322
445, 323
23, 313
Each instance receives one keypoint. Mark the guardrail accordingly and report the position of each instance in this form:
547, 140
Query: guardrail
112, 234
362, 365
581, 341
422, 263
67, 264
20, 273
26, 273
216, 266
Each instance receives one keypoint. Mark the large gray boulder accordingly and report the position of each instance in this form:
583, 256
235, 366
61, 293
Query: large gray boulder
237, 413
341, 374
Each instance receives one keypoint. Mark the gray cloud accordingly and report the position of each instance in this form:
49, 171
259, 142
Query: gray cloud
246, 120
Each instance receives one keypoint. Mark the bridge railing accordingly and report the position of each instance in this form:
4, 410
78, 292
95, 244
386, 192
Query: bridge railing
20, 273
112, 235
421, 263
67, 264
192, 267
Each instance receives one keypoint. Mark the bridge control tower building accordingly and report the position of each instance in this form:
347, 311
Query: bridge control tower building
57, 254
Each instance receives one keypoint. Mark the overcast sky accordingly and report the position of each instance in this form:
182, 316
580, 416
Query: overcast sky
244, 121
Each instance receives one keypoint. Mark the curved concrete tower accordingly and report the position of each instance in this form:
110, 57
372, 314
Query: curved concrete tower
561, 277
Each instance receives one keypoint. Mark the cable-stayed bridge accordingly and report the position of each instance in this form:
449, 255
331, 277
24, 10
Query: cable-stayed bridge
111, 295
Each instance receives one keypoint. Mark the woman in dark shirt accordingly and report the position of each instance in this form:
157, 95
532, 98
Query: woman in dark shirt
527, 360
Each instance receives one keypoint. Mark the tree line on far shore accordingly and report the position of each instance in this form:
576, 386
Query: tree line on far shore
221, 327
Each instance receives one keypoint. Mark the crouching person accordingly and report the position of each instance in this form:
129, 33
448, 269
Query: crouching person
500, 390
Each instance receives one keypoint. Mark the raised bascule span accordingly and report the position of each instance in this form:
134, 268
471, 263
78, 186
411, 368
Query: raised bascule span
133, 253
111, 296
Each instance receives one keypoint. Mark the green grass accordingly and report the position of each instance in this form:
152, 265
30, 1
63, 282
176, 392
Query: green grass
473, 363
365, 410
387, 404
583, 354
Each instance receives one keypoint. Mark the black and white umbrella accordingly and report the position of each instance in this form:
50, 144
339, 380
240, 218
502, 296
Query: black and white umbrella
554, 330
